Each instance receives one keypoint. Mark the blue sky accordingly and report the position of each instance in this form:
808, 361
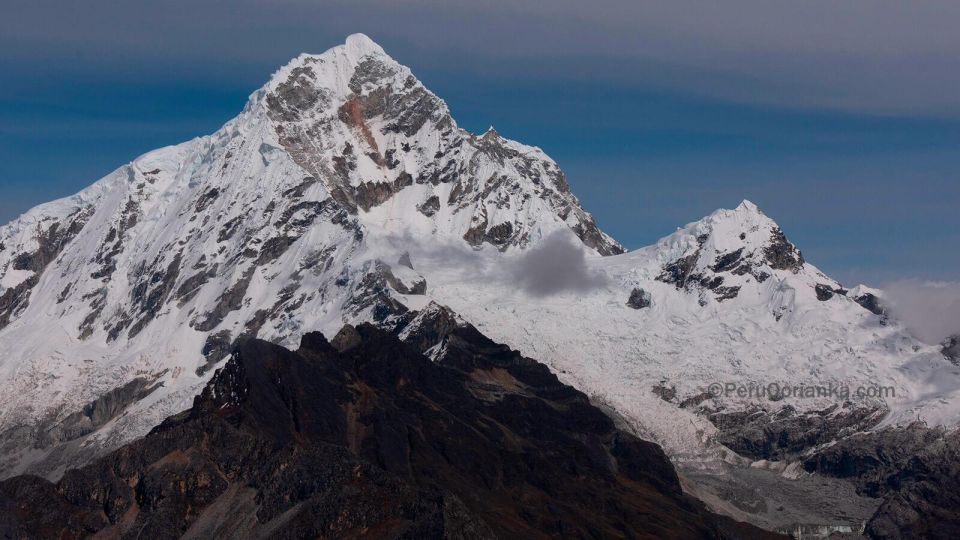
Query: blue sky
842, 122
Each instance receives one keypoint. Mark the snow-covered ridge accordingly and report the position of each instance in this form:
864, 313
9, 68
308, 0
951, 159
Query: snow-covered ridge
727, 299
345, 192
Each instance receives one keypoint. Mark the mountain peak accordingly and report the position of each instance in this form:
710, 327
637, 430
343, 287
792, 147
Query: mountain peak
746, 225
333, 68
728, 249
748, 206
363, 125
361, 44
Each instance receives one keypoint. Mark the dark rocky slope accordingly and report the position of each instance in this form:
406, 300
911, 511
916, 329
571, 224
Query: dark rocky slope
916, 470
365, 437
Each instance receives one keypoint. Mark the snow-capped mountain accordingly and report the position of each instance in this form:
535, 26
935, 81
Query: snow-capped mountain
724, 300
345, 192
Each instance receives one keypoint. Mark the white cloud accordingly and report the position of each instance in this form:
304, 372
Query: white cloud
930, 309
555, 265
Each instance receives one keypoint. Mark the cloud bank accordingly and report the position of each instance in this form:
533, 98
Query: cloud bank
929, 309
557, 264
882, 56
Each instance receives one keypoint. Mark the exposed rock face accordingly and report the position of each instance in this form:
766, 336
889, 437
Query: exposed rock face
373, 440
53, 438
428, 331
217, 346
105, 408
231, 300
926, 502
916, 470
372, 295
824, 292
679, 271
951, 348
666, 393
403, 280
787, 433
639, 299
51, 237
873, 460
781, 254
871, 303
429, 206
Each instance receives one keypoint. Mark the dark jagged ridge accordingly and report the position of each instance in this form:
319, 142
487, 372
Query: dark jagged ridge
367, 438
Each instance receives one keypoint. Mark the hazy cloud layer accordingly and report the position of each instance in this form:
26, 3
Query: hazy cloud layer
556, 264
880, 55
931, 310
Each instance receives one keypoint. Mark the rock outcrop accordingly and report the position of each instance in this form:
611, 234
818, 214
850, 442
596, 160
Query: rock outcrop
915, 469
639, 298
951, 348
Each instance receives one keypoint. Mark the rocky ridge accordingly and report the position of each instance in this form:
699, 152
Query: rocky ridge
364, 437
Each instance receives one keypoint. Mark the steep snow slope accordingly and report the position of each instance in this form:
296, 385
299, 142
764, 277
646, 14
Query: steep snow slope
345, 192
